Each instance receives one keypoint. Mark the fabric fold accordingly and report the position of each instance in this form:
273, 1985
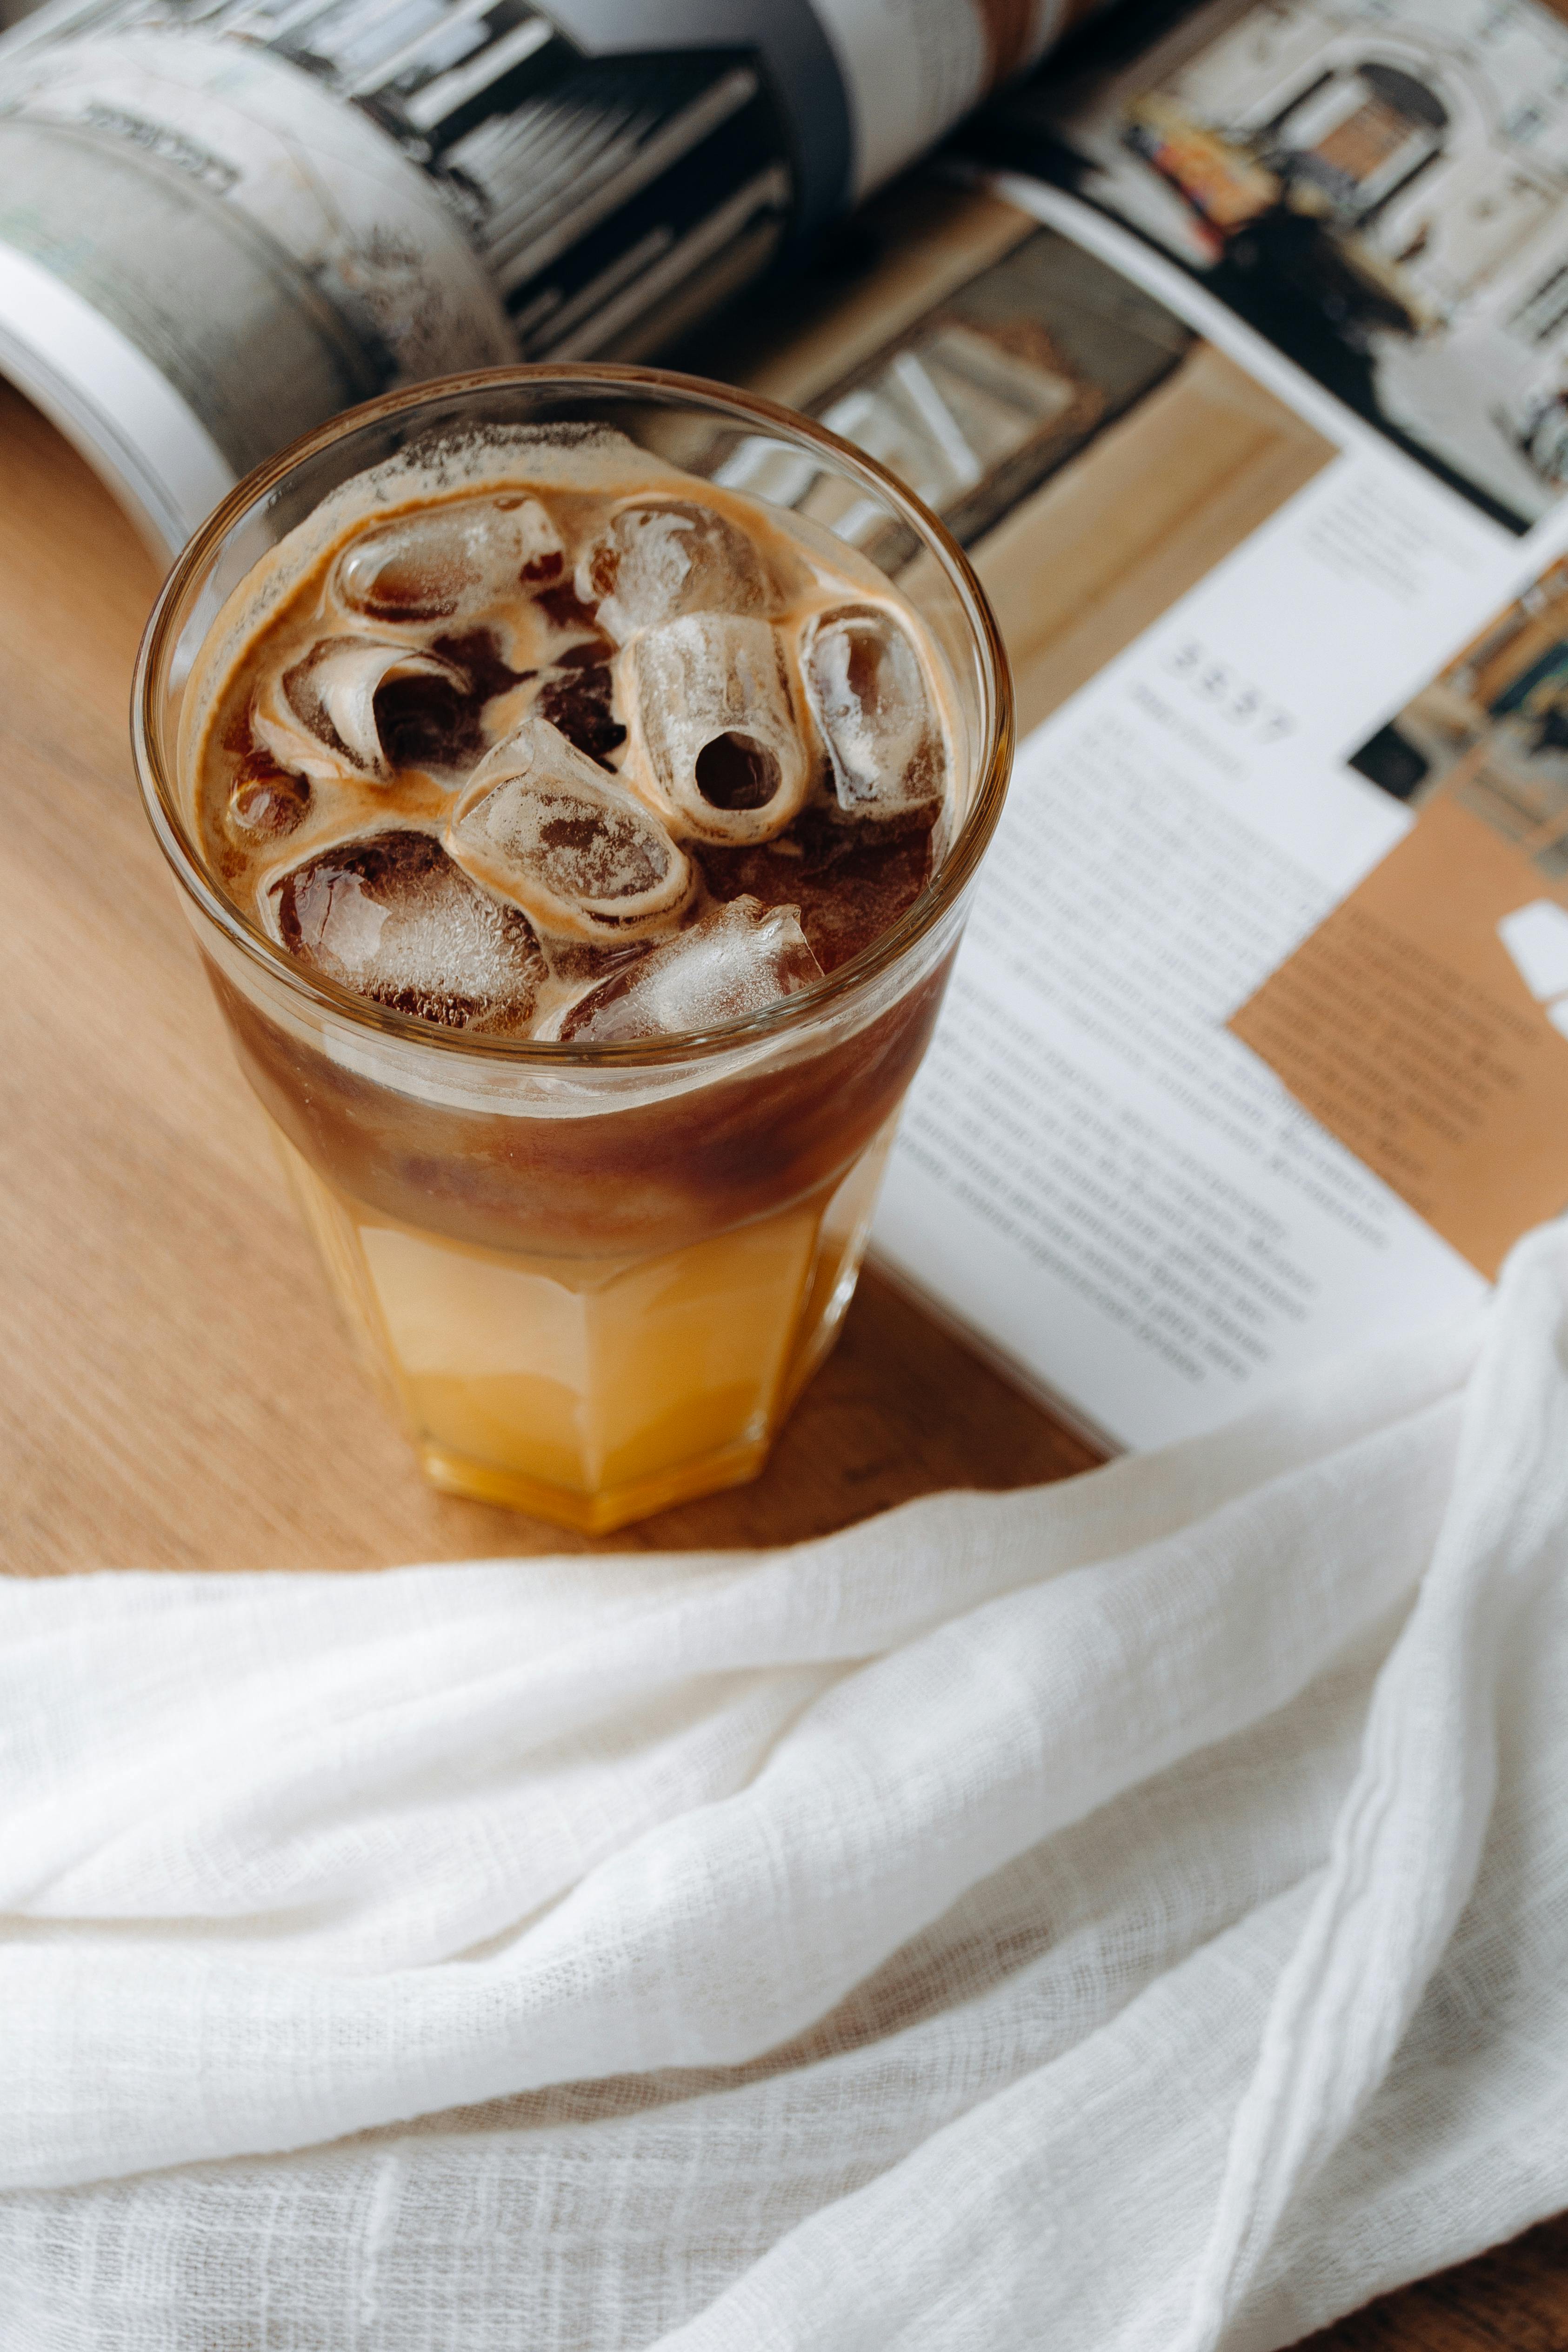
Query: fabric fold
714, 1856
1408, 1840
1122, 1915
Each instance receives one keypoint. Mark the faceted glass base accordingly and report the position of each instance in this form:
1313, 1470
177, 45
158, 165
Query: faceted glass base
594, 1514
594, 1391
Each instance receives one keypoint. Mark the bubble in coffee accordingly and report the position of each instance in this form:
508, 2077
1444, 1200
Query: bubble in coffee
549, 738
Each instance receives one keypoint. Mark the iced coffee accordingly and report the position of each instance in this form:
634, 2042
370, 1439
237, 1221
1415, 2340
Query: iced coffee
584, 801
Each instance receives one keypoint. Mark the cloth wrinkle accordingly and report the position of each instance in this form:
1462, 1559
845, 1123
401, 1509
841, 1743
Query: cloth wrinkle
1124, 1917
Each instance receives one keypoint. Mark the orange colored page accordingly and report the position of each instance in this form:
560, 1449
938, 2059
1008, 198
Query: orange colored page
1419, 1024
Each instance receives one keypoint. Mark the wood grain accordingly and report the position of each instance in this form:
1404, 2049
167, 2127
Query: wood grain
176, 1393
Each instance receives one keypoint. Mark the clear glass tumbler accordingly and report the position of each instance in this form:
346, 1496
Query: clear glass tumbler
590, 1278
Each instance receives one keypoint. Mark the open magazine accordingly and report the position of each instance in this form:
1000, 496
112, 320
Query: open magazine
1251, 397
223, 221
1244, 375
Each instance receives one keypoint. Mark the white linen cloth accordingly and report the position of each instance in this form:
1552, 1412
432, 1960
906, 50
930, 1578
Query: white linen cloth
1126, 1917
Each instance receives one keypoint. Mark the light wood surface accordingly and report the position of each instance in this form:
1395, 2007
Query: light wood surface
175, 1393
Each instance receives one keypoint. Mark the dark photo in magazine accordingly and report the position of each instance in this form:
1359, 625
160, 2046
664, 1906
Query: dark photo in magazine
1375, 185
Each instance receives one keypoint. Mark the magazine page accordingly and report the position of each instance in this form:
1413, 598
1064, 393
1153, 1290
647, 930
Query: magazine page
1366, 201
223, 221
1376, 187
1218, 582
1424, 1022
1092, 1170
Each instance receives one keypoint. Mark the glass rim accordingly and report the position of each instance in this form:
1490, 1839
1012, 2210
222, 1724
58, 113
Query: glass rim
160, 796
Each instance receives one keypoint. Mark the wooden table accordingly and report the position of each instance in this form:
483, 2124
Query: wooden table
177, 1393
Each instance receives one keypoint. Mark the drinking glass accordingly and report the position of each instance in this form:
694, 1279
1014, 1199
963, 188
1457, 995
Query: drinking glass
592, 1279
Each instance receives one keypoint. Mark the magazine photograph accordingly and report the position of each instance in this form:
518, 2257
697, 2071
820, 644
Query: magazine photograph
1378, 190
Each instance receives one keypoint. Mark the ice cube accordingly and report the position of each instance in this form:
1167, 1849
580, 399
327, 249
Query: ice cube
265, 801
661, 558
868, 695
391, 917
319, 718
736, 960
451, 563
715, 734
540, 825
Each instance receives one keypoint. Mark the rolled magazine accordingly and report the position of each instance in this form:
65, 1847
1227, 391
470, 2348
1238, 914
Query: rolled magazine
221, 221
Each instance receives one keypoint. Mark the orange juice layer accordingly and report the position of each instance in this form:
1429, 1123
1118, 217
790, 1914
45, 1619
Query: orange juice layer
594, 1391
